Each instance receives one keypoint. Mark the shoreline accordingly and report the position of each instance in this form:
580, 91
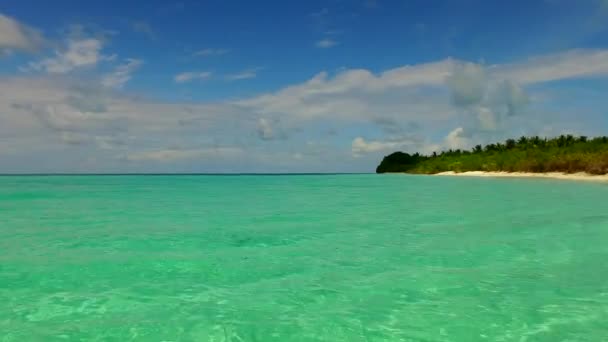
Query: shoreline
582, 176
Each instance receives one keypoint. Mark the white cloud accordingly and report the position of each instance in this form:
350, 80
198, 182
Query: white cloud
170, 155
41, 115
211, 52
485, 98
559, 66
360, 146
121, 74
17, 36
63, 120
265, 131
430, 74
467, 83
191, 76
470, 83
510, 95
326, 43
487, 118
457, 139
244, 75
79, 53
359, 94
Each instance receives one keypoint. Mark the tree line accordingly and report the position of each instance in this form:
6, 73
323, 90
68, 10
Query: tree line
565, 153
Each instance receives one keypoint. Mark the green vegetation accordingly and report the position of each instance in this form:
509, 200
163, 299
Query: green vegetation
565, 153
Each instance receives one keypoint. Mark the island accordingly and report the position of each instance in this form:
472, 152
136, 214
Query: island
566, 154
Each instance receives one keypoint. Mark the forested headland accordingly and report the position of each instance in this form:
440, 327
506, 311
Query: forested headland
566, 153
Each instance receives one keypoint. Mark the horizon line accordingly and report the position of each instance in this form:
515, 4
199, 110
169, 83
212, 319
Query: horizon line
189, 174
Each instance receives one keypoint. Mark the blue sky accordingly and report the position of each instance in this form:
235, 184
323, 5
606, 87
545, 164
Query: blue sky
277, 86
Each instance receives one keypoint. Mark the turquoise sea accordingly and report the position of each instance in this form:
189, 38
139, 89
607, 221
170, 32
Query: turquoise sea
302, 258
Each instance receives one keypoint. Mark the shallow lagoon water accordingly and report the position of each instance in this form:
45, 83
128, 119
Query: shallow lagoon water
302, 258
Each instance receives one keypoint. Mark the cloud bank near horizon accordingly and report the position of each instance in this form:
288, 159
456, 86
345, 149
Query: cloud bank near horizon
67, 110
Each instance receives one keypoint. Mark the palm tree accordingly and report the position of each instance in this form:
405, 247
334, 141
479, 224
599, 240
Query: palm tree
522, 142
569, 139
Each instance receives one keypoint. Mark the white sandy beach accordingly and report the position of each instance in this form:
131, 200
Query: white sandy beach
554, 175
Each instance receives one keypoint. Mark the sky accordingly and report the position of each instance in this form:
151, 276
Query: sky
289, 86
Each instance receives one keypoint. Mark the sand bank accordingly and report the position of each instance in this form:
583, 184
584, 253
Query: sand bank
554, 175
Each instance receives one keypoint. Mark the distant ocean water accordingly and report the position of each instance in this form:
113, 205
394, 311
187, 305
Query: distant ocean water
302, 258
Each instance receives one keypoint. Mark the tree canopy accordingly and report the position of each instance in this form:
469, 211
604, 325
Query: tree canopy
565, 153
